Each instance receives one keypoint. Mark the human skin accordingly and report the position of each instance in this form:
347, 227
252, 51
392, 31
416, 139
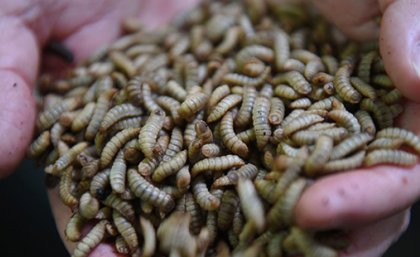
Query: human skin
367, 203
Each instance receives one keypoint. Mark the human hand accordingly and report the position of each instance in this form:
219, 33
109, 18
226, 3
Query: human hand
373, 204
82, 26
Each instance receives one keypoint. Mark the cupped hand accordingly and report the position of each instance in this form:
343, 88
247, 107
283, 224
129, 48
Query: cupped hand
373, 204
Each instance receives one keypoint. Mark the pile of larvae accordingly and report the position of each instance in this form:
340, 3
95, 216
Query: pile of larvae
197, 139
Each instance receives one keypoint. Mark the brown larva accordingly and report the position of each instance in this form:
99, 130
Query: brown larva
365, 66
195, 211
88, 206
170, 105
40, 145
284, 148
192, 104
229, 137
69, 156
247, 136
408, 137
134, 91
127, 123
118, 113
244, 115
217, 95
149, 132
74, 227
254, 51
352, 162
247, 171
253, 68
380, 111
169, 168
203, 132
364, 88
389, 156
260, 114
126, 230
147, 192
277, 110
295, 80
49, 116
239, 79
149, 235
366, 122
147, 165
346, 120
101, 108
343, 86
301, 122
251, 203
183, 178
189, 133
91, 240
66, 118
118, 173
204, 198
121, 246
321, 78
125, 208
65, 188
223, 106
175, 144
386, 143
319, 156
115, 144
308, 137
216, 164
99, 184
228, 206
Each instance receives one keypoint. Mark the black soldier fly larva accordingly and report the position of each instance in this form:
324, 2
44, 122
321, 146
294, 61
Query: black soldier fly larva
198, 138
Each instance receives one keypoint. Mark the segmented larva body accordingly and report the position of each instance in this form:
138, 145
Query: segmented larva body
88, 206
147, 192
183, 178
228, 206
312, 68
365, 66
302, 103
303, 55
91, 240
101, 108
281, 49
350, 144
192, 104
308, 137
251, 203
204, 198
99, 184
253, 68
394, 96
277, 110
48, 117
115, 144
203, 132
123, 63
134, 91
243, 118
380, 111
223, 106
216, 164
175, 144
247, 136
247, 171
243, 80
118, 173
175, 90
364, 88
135, 122
386, 143
230, 140
296, 80
346, 120
301, 122
83, 118
382, 80
320, 155
147, 165
126, 229
217, 95
118, 113
170, 167
389, 156
230, 40
294, 65
254, 51
366, 122
149, 132
324, 104
352, 162
121, 246
125, 208
170, 105
408, 137
40, 145
74, 227
284, 91
69, 156
343, 86
260, 114
65, 188
322, 78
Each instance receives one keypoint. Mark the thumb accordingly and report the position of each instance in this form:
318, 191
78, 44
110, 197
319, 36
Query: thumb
400, 45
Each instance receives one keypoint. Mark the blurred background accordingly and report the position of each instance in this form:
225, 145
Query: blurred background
27, 227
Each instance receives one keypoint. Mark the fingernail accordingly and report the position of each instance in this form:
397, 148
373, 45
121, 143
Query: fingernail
415, 58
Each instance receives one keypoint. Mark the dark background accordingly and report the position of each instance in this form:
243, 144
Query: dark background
27, 228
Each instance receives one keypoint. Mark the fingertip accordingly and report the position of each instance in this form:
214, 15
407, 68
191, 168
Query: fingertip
105, 250
400, 46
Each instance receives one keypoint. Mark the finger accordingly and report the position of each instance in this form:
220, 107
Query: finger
18, 68
355, 18
400, 45
381, 235
62, 214
358, 197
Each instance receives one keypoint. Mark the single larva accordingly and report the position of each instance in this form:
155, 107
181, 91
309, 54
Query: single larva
147, 192
247, 136
65, 188
228, 206
223, 106
192, 104
408, 137
88, 206
394, 96
149, 235
343, 86
135, 122
281, 49
364, 88
296, 80
253, 68
91, 240
69, 156
254, 51
380, 111
312, 68
308, 137
346, 120
352, 162
74, 227
99, 184
83, 118
366, 122
118, 113
244, 115
195, 211
66, 118
294, 65
319, 156
284, 91
127, 230
251, 203
282, 211
204, 198
121, 246
40, 145
389, 156
118, 173
183, 178
170, 105
101, 108
115, 144
243, 80
148, 101
350, 144
301, 122
203, 132
230, 40
230, 140
124, 207
49, 116
302, 103
322, 78
303, 55
175, 145
260, 121
149, 132
147, 165
134, 91
217, 95
247, 171
382, 80
324, 104
386, 143
365, 66
216, 164
170, 167
277, 111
